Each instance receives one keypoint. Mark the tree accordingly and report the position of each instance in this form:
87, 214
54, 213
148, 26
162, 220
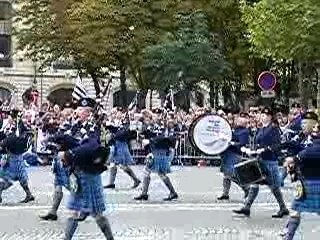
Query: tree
295, 39
185, 58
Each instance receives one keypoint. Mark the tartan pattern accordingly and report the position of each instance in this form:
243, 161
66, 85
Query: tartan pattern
122, 154
272, 171
229, 159
61, 174
311, 202
90, 198
15, 169
161, 161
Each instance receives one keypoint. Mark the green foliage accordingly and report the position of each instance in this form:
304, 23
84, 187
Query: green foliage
186, 58
284, 29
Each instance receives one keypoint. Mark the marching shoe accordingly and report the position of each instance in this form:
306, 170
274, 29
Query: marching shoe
143, 197
281, 213
28, 199
242, 211
223, 197
110, 186
49, 217
172, 196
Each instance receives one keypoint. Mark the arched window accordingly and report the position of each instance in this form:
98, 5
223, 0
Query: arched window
118, 102
61, 96
5, 95
5, 34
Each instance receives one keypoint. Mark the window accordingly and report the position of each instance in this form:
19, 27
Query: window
5, 10
5, 51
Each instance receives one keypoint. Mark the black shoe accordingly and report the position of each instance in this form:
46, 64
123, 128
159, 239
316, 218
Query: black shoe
110, 186
171, 197
136, 184
242, 211
49, 217
281, 213
142, 197
28, 199
223, 197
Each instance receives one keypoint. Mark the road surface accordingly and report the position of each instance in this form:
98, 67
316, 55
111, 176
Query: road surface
196, 215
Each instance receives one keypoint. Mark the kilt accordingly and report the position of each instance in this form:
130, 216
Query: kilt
161, 161
61, 174
122, 154
229, 159
15, 169
89, 199
272, 172
311, 201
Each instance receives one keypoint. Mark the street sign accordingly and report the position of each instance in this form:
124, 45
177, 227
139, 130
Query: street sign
268, 94
267, 81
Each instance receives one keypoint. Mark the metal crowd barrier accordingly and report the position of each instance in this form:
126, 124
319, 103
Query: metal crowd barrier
185, 154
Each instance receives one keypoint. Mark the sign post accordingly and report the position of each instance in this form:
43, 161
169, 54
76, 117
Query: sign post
267, 82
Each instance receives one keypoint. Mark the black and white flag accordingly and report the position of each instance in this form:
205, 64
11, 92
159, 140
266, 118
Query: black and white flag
79, 91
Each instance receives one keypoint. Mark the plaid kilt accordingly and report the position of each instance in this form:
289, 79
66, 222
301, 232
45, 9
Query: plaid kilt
89, 199
229, 159
15, 169
161, 161
272, 172
122, 154
311, 201
61, 174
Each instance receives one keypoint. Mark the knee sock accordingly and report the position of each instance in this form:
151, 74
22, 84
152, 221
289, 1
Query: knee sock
104, 225
226, 186
71, 227
292, 227
253, 193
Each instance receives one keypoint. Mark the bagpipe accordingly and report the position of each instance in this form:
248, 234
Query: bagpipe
18, 139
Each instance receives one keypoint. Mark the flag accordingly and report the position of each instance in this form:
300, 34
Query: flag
79, 91
134, 102
169, 101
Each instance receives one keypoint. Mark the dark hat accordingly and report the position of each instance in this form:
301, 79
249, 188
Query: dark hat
295, 105
87, 102
267, 111
310, 116
14, 113
243, 115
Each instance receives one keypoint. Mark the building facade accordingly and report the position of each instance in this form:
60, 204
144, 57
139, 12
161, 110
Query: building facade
18, 75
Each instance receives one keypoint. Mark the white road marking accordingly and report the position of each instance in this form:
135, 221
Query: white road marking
159, 207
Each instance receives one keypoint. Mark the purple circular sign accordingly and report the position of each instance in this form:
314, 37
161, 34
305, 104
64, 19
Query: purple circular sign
267, 81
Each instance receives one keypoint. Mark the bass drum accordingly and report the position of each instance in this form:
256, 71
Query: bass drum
210, 134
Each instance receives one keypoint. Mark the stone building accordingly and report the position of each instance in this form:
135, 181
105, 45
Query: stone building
18, 75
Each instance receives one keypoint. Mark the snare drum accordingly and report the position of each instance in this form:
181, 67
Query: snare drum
249, 172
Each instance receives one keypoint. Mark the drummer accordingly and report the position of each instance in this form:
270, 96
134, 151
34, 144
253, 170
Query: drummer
232, 156
268, 140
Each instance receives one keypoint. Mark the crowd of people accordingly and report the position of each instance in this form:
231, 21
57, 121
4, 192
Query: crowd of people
82, 142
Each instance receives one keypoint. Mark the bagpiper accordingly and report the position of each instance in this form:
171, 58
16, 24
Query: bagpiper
14, 144
120, 154
87, 162
304, 170
161, 151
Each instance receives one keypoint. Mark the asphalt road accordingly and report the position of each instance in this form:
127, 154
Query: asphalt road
196, 215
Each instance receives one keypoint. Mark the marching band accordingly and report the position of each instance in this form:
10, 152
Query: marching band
250, 157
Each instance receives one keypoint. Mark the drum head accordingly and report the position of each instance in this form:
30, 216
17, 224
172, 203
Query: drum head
210, 134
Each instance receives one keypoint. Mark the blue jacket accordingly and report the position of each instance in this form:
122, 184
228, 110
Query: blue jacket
269, 139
